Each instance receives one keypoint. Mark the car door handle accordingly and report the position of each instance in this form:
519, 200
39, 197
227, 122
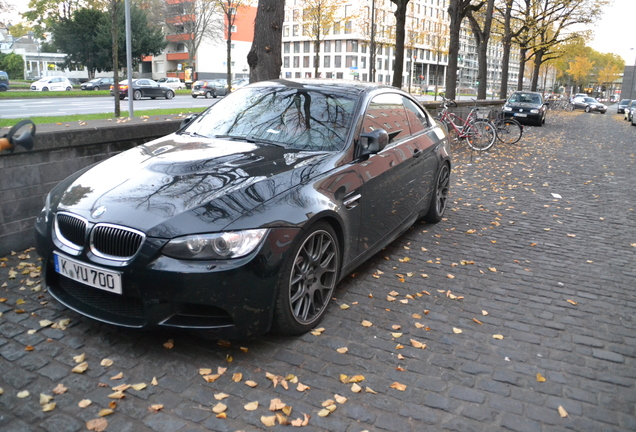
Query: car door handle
351, 201
417, 153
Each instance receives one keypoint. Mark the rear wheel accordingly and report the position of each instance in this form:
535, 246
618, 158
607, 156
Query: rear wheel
169, 94
137, 94
480, 135
439, 198
96, 88
69, 88
307, 281
587, 109
45, 89
207, 95
509, 131
194, 96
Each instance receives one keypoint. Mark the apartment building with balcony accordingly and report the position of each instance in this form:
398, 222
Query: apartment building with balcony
210, 60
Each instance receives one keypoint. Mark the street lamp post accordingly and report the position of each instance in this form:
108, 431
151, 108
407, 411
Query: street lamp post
631, 88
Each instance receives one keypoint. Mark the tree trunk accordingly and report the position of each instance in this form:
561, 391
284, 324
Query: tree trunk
113, 33
505, 61
522, 67
316, 57
482, 36
264, 57
538, 60
229, 53
400, 30
456, 17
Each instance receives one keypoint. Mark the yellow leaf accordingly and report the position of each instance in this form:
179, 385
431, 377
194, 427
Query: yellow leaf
84, 403
79, 358
344, 378
122, 387
276, 404
112, 405
572, 302
45, 323
221, 370
268, 420
396, 385
237, 377
251, 406
211, 378
340, 399
318, 331
471, 231
222, 415
366, 323
419, 325
59, 389
396, 335
287, 410
155, 408
450, 276
169, 344
250, 383
97, 425
80, 368
389, 298
498, 336
456, 330
302, 387
403, 301
205, 371
483, 312
370, 390
356, 378
344, 306
328, 402
323, 412
477, 321
562, 411
106, 362
416, 316
221, 396
117, 395
120, 375
219, 408
418, 344
540, 378
48, 407
244, 349
355, 388
342, 350
154, 381
23, 394
104, 412
44, 399
139, 386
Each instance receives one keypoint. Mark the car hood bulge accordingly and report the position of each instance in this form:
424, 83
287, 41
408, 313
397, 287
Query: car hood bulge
179, 184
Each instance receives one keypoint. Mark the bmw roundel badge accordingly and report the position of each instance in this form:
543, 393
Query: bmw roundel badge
98, 211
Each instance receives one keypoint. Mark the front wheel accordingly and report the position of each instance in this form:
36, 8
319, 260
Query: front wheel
509, 131
194, 96
169, 94
480, 135
587, 109
439, 198
69, 88
307, 281
137, 94
207, 95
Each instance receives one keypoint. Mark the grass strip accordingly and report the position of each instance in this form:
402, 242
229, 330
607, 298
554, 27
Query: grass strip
101, 116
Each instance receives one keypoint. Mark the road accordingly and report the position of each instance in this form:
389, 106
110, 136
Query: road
19, 108
523, 295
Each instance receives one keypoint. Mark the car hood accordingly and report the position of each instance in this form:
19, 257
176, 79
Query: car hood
180, 184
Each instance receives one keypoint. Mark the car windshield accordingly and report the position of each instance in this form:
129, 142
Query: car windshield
296, 117
525, 98
590, 100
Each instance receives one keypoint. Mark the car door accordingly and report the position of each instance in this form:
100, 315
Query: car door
391, 188
56, 84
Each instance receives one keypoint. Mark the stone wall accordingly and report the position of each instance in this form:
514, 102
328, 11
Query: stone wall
27, 176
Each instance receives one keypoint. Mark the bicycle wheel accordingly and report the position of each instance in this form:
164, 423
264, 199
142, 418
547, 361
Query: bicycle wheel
480, 135
509, 131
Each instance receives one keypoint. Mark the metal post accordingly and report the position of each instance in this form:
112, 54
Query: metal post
372, 45
631, 88
129, 60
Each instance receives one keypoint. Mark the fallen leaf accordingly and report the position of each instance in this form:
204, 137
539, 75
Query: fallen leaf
318, 331
211, 378
119, 376
154, 381
355, 388
139, 386
498, 336
419, 325
84, 403
366, 323
396, 385
562, 411
301, 422
105, 412
483, 312
205, 371
450, 276
29, 348
416, 316
44, 399
23, 394
456, 330
60, 389
250, 383
80, 368
572, 302
221, 370
169, 344
396, 335
238, 376
221, 396
340, 399
418, 344
276, 404
106, 362
302, 387
49, 407
540, 378
219, 408
112, 405
45, 323
477, 321
222, 415
97, 425
268, 420
344, 306
356, 378
390, 298
251, 406
370, 390
323, 412
155, 408
492, 269
117, 395
342, 350
79, 358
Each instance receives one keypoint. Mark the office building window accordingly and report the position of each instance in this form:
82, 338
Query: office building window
305, 61
296, 47
327, 61
306, 46
296, 62
286, 61
327, 46
337, 61
338, 46
286, 46
352, 46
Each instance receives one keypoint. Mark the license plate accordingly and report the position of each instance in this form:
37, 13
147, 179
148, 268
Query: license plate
521, 115
87, 274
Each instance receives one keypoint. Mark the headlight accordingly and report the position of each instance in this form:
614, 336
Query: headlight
507, 108
534, 111
225, 245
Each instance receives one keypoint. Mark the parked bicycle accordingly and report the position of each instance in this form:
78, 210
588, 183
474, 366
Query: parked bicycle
479, 133
509, 130
561, 105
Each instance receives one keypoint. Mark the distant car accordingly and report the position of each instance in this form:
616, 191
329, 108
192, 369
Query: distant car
98, 84
629, 110
240, 82
620, 108
526, 107
172, 82
144, 88
4, 81
208, 89
580, 95
52, 83
588, 104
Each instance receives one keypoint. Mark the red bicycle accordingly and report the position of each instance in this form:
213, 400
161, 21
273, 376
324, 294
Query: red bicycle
480, 133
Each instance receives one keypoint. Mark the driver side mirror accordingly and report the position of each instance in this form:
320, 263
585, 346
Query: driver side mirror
373, 142
19, 135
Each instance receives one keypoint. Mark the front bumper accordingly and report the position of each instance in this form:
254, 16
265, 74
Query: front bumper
230, 299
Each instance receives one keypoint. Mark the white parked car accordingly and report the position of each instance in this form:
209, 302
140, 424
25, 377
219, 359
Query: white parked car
52, 83
173, 83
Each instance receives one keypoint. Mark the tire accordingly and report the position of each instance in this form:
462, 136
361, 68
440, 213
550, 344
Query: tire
307, 281
439, 198
207, 95
194, 96
509, 131
481, 135
69, 88
96, 88
137, 94
169, 94
587, 109
45, 89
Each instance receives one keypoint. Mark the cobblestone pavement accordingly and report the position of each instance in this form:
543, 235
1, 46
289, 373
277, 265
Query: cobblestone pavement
523, 296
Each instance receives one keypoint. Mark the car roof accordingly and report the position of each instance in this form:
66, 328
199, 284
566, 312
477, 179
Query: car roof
341, 85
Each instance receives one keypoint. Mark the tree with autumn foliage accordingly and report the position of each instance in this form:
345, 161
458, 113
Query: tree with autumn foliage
581, 71
318, 18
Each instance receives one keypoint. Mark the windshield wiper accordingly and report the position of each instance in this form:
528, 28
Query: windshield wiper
250, 139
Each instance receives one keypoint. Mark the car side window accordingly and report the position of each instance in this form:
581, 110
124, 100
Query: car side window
417, 119
387, 112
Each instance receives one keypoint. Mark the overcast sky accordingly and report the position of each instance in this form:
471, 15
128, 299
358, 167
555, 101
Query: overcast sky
614, 33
